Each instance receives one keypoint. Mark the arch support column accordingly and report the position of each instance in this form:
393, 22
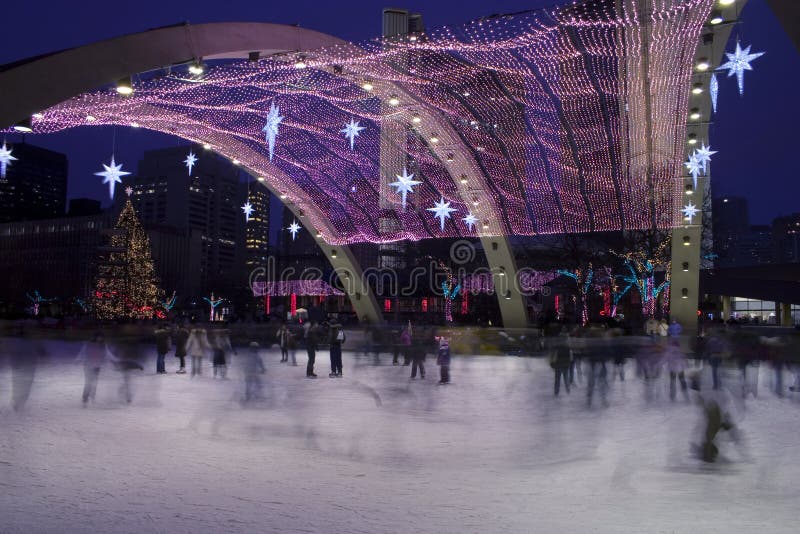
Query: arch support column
503, 267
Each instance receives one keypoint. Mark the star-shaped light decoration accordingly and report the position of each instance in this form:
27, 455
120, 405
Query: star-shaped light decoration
694, 167
738, 62
713, 90
112, 174
293, 229
5, 159
351, 131
129, 190
271, 128
470, 220
405, 184
247, 208
190, 160
703, 155
689, 211
441, 211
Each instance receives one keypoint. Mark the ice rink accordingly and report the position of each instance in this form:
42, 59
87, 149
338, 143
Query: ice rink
376, 452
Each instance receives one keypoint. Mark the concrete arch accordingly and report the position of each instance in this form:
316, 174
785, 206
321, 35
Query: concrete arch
85, 68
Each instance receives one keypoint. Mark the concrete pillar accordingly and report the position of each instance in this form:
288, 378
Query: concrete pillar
685, 279
786, 314
503, 267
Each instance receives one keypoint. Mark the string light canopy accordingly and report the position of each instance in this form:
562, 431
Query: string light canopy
551, 134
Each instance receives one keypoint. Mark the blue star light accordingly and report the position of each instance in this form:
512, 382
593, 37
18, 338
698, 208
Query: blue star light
713, 90
351, 131
470, 220
190, 160
689, 211
694, 167
112, 174
248, 210
293, 229
405, 184
271, 128
738, 62
703, 155
441, 211
5, 159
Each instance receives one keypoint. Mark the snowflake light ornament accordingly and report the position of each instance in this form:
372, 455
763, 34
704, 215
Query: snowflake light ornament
738, 62
690, 211
293, 229
190, 160
470, 220
5, 159
405, 184
703, 155
441, 211
351, 131
694, 167
247, 208
112, 175
274, 119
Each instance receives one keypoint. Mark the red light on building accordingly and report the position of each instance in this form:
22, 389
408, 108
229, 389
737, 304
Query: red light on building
425, 304
266, 304
387, 305
464, 304
293, 304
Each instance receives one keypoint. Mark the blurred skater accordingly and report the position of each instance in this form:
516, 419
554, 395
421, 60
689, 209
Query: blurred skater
417, 353
222, 348
162, 348
93, 353
336, 337
253, 368
560, 362
196, 347
312, 335
25, 354
443, 361
181, 338
283, 336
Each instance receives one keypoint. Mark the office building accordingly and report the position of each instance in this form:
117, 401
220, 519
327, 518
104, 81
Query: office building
35, 185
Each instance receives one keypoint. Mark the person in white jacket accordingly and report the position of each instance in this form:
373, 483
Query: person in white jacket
197, 346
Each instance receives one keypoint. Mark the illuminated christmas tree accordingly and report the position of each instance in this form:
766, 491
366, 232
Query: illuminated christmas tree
126, 284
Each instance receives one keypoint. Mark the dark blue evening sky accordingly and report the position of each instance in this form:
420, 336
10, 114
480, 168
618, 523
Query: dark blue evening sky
755, 135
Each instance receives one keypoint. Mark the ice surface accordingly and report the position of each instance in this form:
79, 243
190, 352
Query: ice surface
376, 452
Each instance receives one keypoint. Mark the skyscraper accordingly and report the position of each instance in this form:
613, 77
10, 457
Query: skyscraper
204, 198
35, 185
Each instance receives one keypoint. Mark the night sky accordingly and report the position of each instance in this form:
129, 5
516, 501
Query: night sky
755, 135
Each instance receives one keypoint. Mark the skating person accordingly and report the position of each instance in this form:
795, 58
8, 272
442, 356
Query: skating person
675, 363
197, 346
162, 348
181, 337
283, 336
336, 337
443, 361
222, 348
560, 362
93, 353
417, 352
253, 368
311, 347
406, 340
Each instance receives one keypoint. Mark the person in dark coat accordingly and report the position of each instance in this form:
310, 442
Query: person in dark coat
181, 337
311, 347
335, 338
283, 336
162, 348
93, 354
417, 352
443, 361
560, 361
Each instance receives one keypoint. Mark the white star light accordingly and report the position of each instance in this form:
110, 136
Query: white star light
738, 62
689, 211
441, 211
351, 131
470, 220
190, 160
405, 184
703, 155
5, 159
695, 168
293, 229
248, 210
129, 190
713, 90
112, 175
271, 128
